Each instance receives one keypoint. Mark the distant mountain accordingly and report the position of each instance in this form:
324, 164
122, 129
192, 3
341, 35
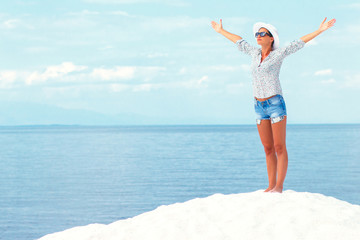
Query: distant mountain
41, 114
22, 113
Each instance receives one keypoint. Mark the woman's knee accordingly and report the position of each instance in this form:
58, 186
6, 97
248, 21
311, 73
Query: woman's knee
269, 149
280, 148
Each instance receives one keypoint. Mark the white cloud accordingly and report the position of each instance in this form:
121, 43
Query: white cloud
120, 1
37, 49
127, 73
11, 23
115, 79
53, 72
113, 73
157, 55
352, 81
235, 22
104, 48
175, 23
245, 67
235, 88
226, 68
68, 74
71, 91
121, 13
116, 87
352, 29
143, 87
324, 72
183, 71
177, 3
203, 80
149, 70
7, 78
191, 84
312, 42
72, 22
346, 36
352, 5
84, 12
229, 68
328, 81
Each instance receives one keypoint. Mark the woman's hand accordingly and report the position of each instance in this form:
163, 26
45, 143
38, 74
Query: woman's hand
326, 25
323, 27
217, 26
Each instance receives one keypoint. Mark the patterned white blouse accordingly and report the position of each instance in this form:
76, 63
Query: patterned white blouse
266, 82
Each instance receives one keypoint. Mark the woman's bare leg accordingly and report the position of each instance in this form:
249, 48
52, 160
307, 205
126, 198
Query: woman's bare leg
279, 136
266, 137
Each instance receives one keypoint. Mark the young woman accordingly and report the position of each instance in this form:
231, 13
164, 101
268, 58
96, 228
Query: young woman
268, 100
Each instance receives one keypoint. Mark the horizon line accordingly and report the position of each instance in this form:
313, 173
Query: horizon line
161, 125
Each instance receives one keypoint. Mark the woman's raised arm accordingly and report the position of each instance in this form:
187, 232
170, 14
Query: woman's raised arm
219, 28
323, 27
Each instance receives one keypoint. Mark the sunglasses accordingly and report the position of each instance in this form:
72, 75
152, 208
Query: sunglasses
262, 34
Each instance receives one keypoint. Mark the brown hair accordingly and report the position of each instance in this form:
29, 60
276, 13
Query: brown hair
270, 35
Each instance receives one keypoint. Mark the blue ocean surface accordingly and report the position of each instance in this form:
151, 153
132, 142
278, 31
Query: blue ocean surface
57, 177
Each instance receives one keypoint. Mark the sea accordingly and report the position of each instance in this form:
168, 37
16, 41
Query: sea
57, 177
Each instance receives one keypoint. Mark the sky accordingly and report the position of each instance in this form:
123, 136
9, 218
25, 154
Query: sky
101, 62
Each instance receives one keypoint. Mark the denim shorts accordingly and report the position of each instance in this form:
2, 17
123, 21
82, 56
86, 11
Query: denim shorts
273, 109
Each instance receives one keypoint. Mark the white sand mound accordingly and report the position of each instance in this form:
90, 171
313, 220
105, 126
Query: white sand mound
255, 215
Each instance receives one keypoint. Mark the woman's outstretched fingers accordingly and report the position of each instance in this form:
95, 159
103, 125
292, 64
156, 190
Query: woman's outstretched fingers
217, 26
332, 22
326, 25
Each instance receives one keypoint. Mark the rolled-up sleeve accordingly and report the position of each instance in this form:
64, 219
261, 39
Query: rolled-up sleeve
245, 47
293, 47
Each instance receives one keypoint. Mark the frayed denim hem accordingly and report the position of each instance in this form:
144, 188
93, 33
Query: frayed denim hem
273, 120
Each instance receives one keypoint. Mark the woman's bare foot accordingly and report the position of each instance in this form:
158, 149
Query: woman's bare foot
269, 189
276, 189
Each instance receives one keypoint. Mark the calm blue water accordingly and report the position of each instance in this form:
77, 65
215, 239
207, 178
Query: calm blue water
54, 178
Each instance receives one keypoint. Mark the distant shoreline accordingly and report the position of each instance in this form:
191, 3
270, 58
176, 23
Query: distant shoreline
172, 125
